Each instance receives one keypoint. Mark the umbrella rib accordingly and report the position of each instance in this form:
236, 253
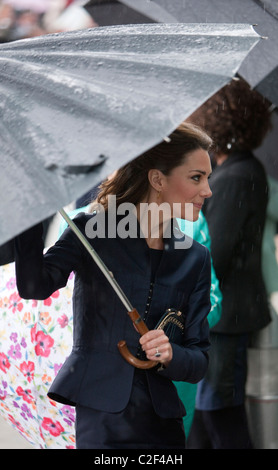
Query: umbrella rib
109, 276
173, 59
74, 81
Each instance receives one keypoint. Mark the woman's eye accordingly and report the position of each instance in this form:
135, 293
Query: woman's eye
196, 177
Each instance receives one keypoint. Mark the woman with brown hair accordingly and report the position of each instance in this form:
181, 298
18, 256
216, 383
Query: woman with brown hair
118, 405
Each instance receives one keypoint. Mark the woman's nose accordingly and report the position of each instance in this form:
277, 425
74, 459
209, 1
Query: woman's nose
206, 191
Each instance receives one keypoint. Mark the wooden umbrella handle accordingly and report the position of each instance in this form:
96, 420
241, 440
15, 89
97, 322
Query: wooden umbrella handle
122, 346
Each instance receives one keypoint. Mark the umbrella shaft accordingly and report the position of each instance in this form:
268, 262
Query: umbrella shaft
98, 261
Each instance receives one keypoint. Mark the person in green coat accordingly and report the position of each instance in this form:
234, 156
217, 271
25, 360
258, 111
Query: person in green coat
269, 259
187, 391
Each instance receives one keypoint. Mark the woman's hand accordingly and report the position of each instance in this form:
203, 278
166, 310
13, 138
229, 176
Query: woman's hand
157, 347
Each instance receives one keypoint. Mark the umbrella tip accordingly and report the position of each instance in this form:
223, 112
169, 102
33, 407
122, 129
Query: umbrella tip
262, 37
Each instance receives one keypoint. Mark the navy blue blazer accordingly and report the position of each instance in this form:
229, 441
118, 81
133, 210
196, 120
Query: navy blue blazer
95, 374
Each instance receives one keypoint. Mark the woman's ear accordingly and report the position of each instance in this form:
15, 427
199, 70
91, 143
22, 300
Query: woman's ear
156, 179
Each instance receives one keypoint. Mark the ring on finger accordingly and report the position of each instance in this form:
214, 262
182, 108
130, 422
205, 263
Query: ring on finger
157, 354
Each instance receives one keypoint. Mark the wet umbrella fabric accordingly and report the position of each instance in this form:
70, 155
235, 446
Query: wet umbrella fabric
260, 68
113, 12
76, 106
267, 152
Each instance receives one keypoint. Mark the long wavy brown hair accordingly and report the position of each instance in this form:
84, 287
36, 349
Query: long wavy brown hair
130, 183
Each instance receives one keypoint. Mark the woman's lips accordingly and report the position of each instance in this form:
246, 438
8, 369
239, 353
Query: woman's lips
198, 206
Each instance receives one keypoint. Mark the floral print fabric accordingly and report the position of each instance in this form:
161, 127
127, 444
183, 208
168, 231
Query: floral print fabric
35, 340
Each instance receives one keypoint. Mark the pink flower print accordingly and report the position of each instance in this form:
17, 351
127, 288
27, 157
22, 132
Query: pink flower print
25, 394
26, 413
11, 284
13, 337
55, 428
3, 394
48, 301
44, 344
15, 351
16, 423
63, 321
15, 302
33, 333
56, 368
4, 363
69, 414
28, 368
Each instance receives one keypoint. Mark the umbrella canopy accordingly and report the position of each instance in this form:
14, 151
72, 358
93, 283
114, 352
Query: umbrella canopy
76, 106
113, 12
267, 152
260, 68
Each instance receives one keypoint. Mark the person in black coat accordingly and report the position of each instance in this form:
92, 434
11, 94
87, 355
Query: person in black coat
118, 405
237, 118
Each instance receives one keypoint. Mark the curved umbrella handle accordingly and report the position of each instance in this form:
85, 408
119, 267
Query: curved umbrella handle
134, 361
122, 346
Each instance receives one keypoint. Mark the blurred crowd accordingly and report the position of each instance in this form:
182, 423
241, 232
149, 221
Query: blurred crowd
20, 19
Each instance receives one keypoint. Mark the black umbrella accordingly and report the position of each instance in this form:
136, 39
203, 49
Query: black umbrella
113, 12
76, 106
267, 152
260, 68
268, 86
